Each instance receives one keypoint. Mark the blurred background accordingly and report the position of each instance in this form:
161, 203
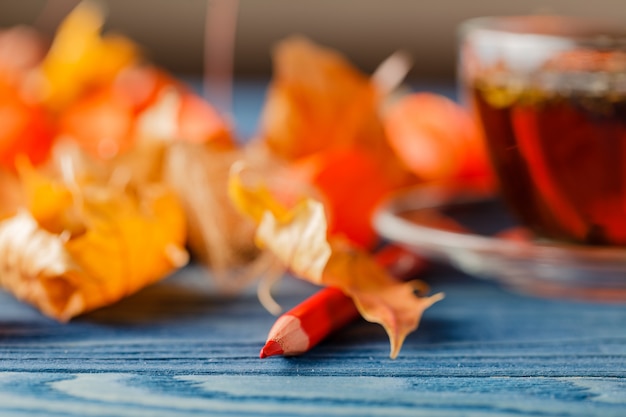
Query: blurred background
366, 31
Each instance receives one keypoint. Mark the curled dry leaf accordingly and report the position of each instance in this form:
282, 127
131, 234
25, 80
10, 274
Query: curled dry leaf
319, 101
353, 181
141, 106
299, 239
81, 246
81, 58
101, 122
195, 168
322, 115
177, 113
378, 296
10, 194
26, 128
182, 141
218, 234
316, 100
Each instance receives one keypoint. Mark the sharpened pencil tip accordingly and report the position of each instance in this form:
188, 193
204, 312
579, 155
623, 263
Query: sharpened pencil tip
271, 348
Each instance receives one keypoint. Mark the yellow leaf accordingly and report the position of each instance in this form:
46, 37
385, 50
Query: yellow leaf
252, 197
80, 57
95, 246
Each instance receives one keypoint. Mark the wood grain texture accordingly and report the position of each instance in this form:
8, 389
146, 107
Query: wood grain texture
178, 349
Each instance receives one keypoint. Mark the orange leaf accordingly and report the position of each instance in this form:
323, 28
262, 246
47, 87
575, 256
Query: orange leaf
317, 100
378, 296
10, 193
101, 122
179, 114
352, 182
199, 122
85, 245
141, 105
140, 85
322, 114
298, 238
25, 130
153, 94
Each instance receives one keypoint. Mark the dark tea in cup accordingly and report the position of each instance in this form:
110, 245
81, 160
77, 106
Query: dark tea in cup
550, 96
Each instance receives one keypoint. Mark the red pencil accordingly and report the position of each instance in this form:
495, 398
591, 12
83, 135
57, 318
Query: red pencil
304, 326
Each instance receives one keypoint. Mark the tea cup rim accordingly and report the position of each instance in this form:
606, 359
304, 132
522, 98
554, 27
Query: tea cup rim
587, 30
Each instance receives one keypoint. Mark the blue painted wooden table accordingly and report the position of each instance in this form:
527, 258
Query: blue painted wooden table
179, 349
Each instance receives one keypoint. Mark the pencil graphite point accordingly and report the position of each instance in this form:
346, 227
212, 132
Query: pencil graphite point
271, 348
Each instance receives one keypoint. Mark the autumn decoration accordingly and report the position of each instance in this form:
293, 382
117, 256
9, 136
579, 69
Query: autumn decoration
114, 173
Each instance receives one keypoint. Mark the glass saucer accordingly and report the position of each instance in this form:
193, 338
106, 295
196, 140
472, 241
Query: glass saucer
472, 231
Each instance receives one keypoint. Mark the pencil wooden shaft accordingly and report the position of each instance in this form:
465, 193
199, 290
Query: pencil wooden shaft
326, 311
330, 309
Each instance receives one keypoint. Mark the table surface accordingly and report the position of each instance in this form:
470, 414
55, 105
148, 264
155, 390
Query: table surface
178, 348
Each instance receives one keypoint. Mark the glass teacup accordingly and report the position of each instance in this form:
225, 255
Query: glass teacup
550, 95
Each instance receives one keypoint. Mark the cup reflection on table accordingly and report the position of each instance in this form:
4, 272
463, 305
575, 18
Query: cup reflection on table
550, 95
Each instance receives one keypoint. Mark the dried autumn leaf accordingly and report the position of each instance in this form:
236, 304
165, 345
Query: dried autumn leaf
317, 100
141, 84
252, 198
10, 194
177, 113
302, 245
84, 246
353, 181
298, 238
218, 235
81, 58
322, 115
141, 106
26, 128
378, 296
146, 126
101, 122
